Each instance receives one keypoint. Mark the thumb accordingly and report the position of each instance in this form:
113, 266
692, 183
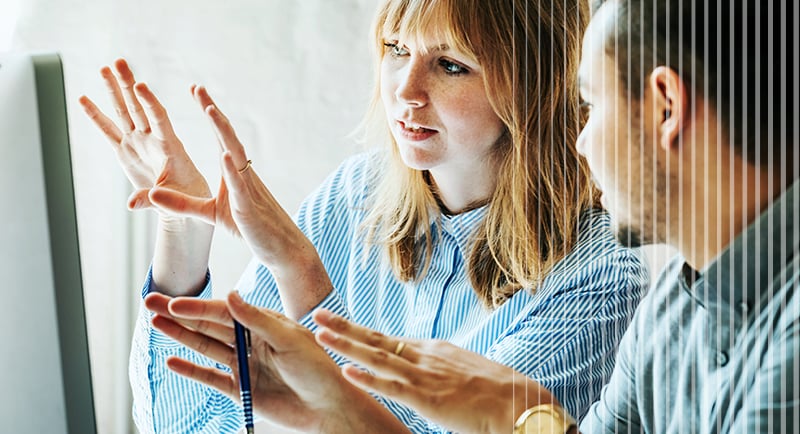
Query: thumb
184, 204
139, 199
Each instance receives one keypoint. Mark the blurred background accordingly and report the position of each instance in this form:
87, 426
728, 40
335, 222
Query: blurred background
294, 77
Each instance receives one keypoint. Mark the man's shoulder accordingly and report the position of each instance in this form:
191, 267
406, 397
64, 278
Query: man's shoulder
667, 306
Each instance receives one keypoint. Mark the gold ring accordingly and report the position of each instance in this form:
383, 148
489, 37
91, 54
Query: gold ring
400, 347
246, 166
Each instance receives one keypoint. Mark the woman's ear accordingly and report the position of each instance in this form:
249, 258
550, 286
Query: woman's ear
671, 105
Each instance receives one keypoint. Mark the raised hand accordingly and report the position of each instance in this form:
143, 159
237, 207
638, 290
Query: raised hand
294, 382
456, 388
165, 178
249, 207
245, 206
149, 151
152, 157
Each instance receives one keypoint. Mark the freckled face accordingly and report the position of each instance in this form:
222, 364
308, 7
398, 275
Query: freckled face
437, 107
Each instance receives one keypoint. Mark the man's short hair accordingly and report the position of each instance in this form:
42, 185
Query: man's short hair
739, 54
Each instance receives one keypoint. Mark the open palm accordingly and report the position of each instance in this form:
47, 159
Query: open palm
148, 150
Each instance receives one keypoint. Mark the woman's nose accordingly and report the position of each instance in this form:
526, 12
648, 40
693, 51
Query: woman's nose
412, 85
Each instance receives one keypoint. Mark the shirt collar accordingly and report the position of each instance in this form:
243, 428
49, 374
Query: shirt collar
741, 274
462, 226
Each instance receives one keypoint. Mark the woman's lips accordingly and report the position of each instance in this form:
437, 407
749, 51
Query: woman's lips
415, 133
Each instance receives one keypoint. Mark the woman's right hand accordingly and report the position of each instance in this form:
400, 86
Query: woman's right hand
147, 148
294, 381
152, 156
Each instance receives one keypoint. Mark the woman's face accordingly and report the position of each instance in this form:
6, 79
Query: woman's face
437, 107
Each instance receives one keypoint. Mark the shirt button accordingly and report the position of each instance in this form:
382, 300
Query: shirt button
745, 307
722, 358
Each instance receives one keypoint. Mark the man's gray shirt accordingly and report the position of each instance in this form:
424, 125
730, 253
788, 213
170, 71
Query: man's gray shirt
716, 351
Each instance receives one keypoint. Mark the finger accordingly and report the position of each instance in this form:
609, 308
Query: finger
114, 91
204, 310
103, 122
355, 332
281, 333
202, 97
215, 328
139, 199
135, 109
226, 135
154, 111
204, 209
157, 303
212, 377
396, 390
377, 359
234, 178
212, 329
213, 349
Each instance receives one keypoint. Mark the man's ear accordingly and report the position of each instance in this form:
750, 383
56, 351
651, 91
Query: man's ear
671, 105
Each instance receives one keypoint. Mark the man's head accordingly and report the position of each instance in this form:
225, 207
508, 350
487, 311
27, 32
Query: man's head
666, 80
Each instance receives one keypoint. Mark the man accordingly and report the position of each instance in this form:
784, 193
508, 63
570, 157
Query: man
694, 145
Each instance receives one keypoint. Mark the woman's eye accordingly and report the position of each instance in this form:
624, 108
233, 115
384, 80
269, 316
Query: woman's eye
395, 50
452, 68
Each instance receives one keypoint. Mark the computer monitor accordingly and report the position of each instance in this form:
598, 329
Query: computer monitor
45, 378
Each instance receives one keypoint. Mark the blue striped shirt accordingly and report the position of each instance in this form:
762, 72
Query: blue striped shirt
564, 334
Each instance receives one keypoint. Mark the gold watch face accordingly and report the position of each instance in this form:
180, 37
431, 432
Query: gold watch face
544, 423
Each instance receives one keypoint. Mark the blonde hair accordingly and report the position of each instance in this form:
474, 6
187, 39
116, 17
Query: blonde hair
543, 186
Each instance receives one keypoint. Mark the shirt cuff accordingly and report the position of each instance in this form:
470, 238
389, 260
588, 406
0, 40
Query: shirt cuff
158, 339
333, 302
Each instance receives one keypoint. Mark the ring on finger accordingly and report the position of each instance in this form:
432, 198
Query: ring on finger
399, 349
246, 166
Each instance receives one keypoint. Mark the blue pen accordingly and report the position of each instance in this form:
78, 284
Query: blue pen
242, 354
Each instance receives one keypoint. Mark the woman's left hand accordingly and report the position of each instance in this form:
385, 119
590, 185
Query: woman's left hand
245, 206
456, 388
294, 382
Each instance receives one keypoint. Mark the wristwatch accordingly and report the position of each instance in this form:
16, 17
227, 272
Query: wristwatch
544, 419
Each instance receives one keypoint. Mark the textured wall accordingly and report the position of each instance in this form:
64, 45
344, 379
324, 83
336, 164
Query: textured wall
294, 77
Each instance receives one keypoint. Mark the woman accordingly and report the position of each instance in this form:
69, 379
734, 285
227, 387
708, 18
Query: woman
475, 224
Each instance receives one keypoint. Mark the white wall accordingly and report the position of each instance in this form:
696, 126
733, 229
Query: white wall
294, 77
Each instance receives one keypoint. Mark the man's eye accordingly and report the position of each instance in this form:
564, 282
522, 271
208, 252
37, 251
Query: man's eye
395, 50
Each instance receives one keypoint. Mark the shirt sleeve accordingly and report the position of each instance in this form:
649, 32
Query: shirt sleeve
166, 402
616, 410
569, 342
